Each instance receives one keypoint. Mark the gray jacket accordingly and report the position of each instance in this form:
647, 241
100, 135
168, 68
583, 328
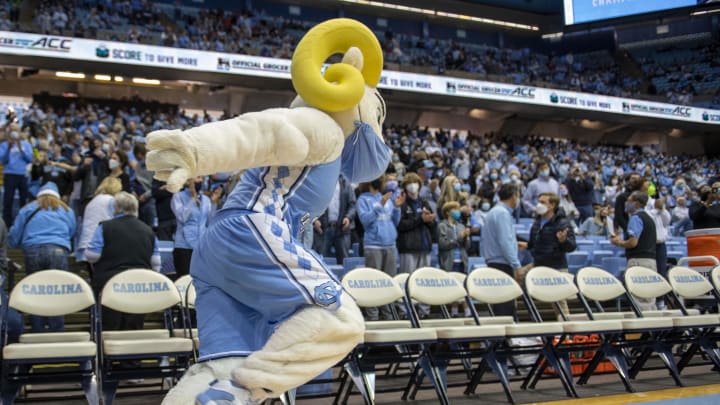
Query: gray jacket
448, 241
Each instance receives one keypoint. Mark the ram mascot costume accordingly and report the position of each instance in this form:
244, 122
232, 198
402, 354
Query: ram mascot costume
271, 316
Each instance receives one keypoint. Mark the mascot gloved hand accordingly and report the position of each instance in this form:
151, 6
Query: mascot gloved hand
271, 316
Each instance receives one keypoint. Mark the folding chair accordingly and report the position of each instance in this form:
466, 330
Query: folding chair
551, 286
373, 288
577, 260
614, 265
699, 329
599, 255
350, 263
140, 291
433, 286
50, 293
475, 261
491, 286
600, 286
188, 329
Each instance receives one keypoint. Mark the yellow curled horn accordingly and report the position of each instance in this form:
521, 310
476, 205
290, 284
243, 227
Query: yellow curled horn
343, 85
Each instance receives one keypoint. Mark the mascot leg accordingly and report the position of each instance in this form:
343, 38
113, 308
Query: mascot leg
198, 377
303, 347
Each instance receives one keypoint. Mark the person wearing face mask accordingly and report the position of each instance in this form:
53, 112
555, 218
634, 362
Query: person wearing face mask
705, 213
117, 164
15, 154
580, 188
633, 183
499, 244
597, 225
450, 191
567, 204
379, 215
461, 166
91, 171
551, 237
544, 183
415, 231
192, 212
681, 218
612, 189
453, 243
640, 241
334, 225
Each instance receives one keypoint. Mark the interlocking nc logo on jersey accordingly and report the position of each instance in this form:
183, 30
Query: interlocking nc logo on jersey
326, 293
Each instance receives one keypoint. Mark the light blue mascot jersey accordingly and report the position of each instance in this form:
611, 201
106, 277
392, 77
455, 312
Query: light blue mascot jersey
249, 270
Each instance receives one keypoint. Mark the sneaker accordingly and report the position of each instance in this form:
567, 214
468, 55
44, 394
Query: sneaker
224, 392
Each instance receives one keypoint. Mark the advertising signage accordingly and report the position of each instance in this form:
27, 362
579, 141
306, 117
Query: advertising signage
12, 43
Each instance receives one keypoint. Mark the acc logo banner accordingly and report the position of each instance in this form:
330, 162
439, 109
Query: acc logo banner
47, 43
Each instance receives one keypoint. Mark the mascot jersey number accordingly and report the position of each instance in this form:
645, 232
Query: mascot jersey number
271, 316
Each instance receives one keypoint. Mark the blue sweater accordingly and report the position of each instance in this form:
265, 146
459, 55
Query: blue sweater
379, 221
47, 227
16, 159
192, 218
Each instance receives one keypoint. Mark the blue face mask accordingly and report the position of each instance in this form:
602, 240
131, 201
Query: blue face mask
365, 156
457, 186
485, 206
391, 185
455, 215
493, 176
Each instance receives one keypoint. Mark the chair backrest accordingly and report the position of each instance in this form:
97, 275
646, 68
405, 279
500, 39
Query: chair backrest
688, 283
370, 287
645, 283
350, 263
182, 285
598, 284
190, 296
139, 291
577, 258
492, 286
715, 277
51, 293
614, 265
549, 285
432, 286
460, 277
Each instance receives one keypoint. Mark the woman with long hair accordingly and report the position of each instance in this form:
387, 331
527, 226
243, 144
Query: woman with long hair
118, 163
99, 209
44, 230
449, 191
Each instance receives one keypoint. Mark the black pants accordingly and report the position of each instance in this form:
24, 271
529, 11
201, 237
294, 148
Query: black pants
114, 320
181, 260
506, 308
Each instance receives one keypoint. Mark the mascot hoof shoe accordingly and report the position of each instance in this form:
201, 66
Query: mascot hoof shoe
224, 392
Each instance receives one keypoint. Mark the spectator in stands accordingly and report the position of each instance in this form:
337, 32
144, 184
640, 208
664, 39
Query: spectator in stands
551, 237
15, 323
335, 223
450, 191
580, 187
640, 240
542, 184
99, 209
681, 218
658, 212
15, 154
453, 243
705, 213
44, 229
612, 189
192, 212
142, 186
567, 205
118, 164
93, 169
598, 224
44, 170
633, 182
500, 246
415, 228
379, 216
166, 218
119, 244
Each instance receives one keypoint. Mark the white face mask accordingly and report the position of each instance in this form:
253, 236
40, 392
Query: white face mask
412, 188
541, 209
114, 164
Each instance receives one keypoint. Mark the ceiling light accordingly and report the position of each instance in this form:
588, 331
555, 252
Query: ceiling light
70, 75
140, 80
118, 79
103, 78
717, 10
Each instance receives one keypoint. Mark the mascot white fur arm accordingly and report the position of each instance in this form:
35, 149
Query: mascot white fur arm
281, 136
259, 345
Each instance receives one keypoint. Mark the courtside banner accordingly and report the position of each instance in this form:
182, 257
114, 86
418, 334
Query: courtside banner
14, 43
